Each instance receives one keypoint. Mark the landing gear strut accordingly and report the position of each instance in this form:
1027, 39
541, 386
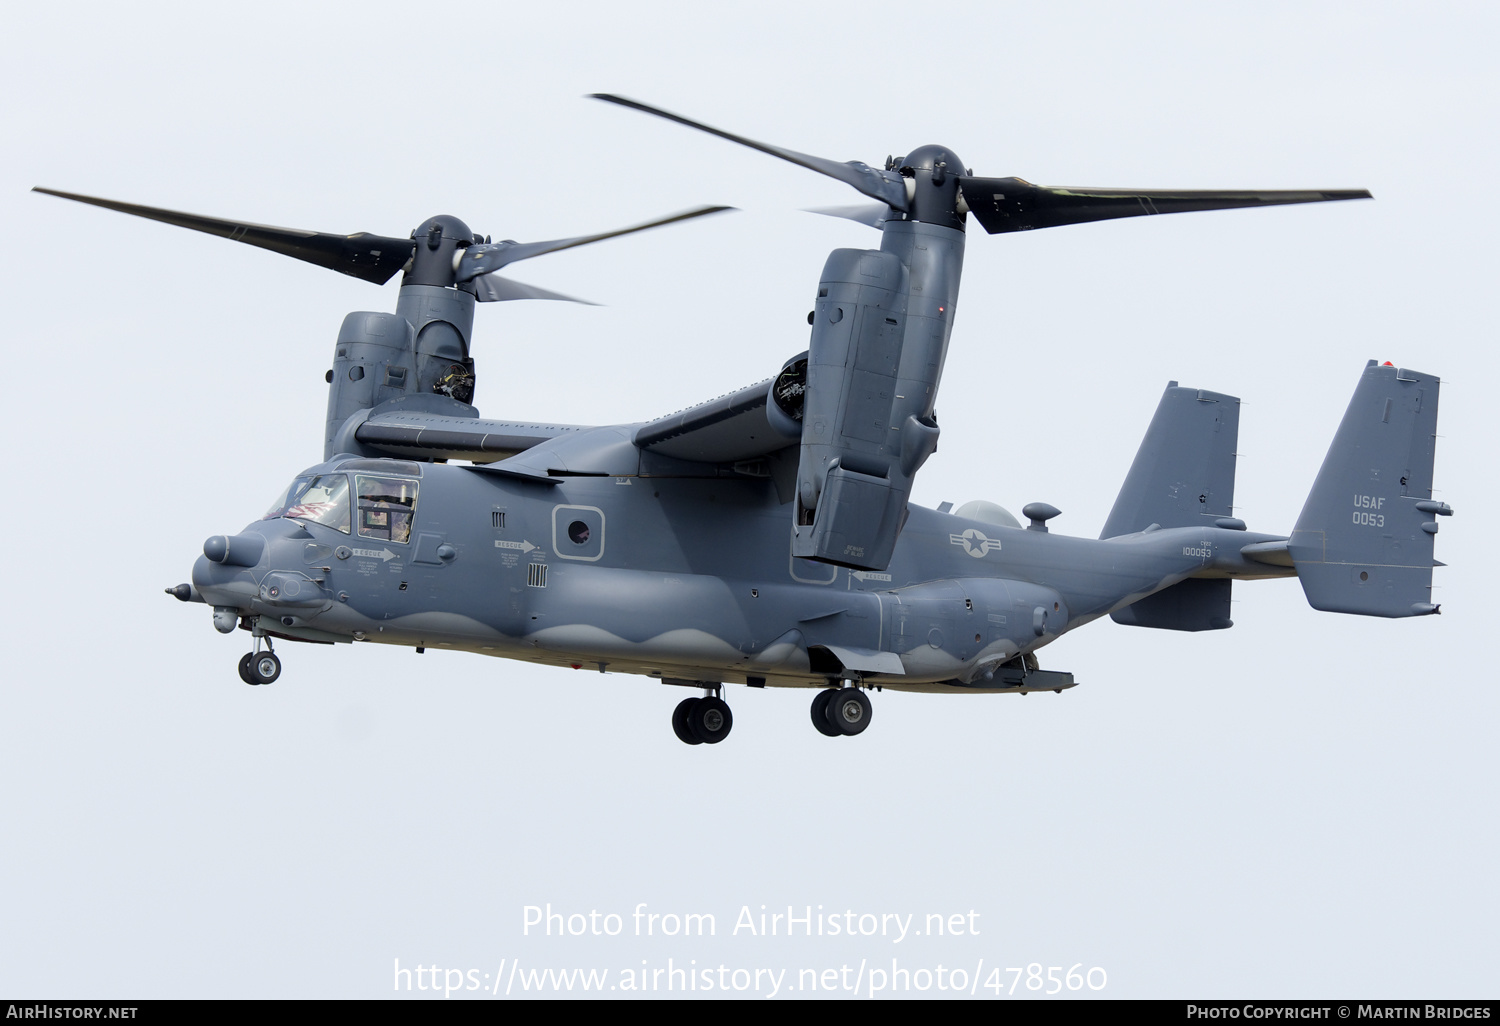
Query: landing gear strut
839, 712
259, 667
702, 721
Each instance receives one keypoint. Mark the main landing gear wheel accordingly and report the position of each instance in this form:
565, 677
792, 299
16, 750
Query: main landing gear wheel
702, 721
848, 711
710, 720
820, 713
680, 721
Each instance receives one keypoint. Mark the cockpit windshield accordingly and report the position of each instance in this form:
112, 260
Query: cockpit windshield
292, 491
322, 500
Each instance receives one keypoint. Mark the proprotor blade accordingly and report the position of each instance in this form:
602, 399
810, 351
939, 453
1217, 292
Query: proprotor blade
873, 214
373, 258
482, 259
491, 288
1015, 205
885, 186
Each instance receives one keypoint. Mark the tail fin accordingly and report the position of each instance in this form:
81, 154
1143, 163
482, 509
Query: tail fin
1184, 470
1364, 541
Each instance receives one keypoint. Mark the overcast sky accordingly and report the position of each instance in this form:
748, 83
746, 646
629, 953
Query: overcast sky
1302, 806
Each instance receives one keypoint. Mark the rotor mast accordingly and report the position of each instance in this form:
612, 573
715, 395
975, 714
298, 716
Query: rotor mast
440, 307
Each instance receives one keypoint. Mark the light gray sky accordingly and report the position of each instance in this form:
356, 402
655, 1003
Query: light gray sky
1302, 806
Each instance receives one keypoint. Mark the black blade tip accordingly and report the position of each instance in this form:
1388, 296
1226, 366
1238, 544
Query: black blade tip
627, 102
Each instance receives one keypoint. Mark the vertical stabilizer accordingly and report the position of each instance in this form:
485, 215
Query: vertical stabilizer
1183, 473
1364, 541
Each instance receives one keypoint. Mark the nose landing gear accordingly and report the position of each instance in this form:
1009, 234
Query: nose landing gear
259, 667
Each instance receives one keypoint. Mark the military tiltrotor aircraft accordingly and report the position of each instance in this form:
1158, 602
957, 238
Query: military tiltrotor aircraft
603, 547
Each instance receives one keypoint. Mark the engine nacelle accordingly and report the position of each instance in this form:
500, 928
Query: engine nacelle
880, 333
421, 349
373, 360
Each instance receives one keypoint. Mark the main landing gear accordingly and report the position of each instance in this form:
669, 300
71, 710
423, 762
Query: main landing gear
259, 667
840, 712
836, 712
702, 721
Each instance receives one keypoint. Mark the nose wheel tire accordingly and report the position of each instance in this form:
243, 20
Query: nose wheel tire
265, 667
820, 713
845, 711
259, 668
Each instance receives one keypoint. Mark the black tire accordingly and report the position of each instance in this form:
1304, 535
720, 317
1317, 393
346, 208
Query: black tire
245, 668
265, 668
680, 721
820, 713
710, 720
849, 711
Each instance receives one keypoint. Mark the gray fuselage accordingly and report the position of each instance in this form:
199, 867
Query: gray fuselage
692, 580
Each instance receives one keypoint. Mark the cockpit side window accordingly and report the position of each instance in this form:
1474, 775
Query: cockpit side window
324, 501
386, 507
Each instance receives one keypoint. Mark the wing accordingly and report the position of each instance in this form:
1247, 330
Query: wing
728, 429
437, 436
731, 429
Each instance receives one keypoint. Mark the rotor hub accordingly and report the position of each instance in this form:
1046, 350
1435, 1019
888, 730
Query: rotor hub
933, 173
438, 239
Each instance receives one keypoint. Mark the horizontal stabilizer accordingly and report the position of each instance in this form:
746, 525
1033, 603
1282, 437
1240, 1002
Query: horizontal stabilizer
1184, 469
1271, 553
1364, 541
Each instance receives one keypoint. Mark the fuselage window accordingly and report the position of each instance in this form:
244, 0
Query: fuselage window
386, 506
